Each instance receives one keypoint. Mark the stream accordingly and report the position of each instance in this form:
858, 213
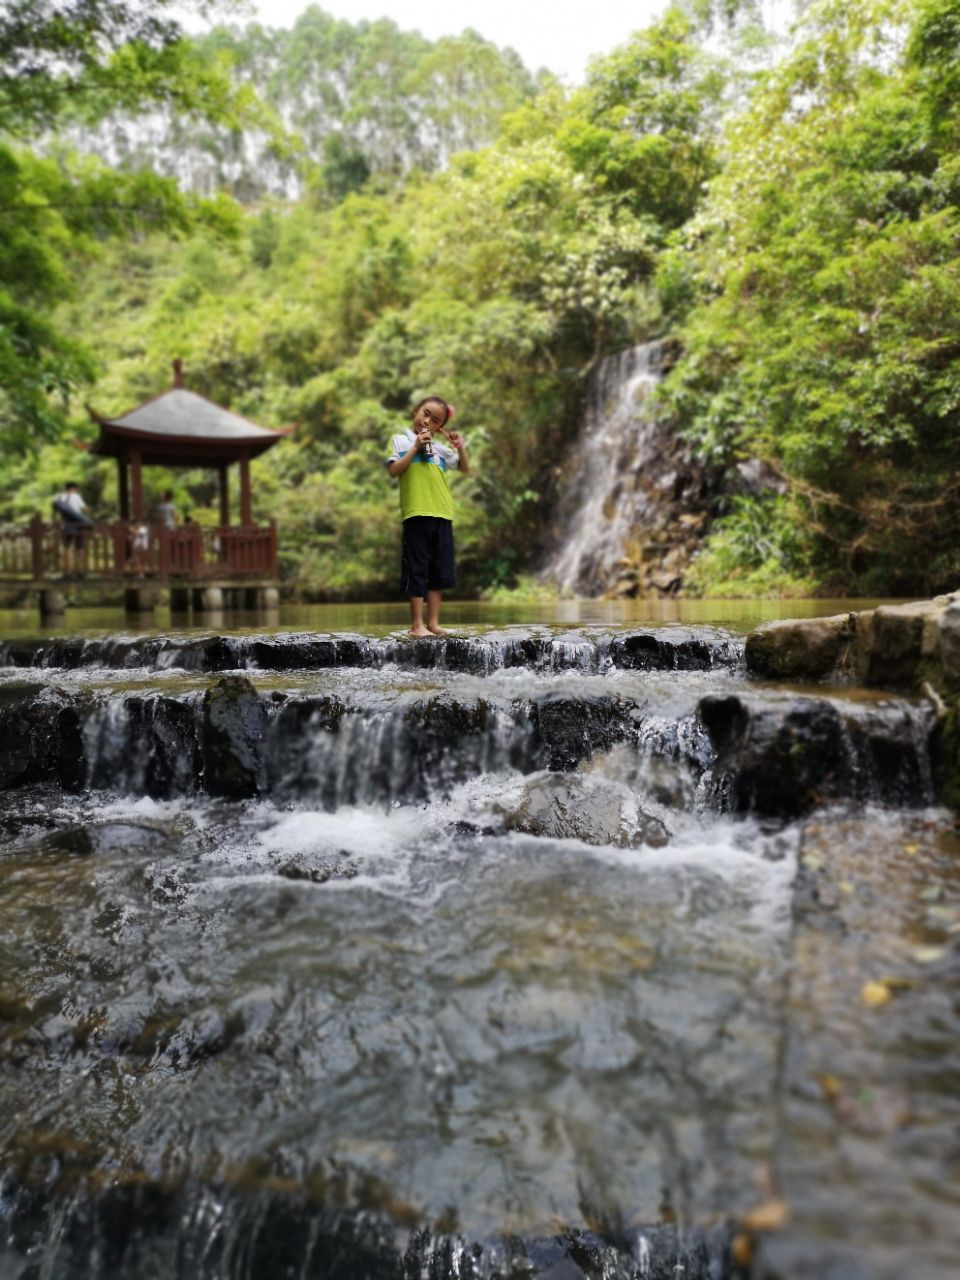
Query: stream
564, 950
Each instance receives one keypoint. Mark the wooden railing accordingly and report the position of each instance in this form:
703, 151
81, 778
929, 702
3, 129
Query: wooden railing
120, 550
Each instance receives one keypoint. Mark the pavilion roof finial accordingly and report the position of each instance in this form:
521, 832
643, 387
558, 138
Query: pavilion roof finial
178, 372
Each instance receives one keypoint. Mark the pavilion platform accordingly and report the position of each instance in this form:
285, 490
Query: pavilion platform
203, 569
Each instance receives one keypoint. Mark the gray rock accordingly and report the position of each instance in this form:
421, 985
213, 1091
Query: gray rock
319, 868
801, 648
897, 642
594, 810
949, 641
231, 736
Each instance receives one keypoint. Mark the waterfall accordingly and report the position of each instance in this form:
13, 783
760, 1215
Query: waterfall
620, 526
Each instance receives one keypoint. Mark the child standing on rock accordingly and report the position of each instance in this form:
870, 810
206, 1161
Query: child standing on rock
421, 464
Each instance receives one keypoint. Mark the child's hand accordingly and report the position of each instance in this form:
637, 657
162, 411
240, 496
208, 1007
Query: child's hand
456, 439
424, 436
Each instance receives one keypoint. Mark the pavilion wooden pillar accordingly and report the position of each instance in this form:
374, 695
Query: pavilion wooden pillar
123, 488
224, 495
246, 503
136, 485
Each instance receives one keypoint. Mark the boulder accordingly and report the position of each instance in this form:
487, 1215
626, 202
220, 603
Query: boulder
674, 649
232, 727
595, 810
783, 757
949, 643
319, 868
572, 729
801, 648
41, 738
778, 760
898, 643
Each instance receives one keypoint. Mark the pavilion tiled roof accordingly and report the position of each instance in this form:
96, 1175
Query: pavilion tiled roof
180, 427
183, 413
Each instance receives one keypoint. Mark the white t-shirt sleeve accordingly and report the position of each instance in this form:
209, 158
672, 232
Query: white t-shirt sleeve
450, 456
399, 447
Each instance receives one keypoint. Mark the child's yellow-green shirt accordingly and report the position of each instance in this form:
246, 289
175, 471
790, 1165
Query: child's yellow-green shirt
424, 490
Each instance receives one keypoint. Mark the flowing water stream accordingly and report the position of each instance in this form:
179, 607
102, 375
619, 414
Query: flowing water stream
535, 951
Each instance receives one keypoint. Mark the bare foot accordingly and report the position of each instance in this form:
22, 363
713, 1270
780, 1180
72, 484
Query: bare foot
437, 630
419, 632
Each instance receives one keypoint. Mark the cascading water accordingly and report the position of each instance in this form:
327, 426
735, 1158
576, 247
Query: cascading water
342, 957
624, 522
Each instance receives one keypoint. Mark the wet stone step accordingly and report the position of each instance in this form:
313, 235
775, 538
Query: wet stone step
236, 742
123, 1231
783, 757
777, 755
666, 648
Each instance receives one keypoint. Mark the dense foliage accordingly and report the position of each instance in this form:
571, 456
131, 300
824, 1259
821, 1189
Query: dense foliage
63, 59
796, 229
826, 329
498, 282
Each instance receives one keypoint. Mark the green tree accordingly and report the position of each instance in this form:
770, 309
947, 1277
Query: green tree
826, 269
61, 58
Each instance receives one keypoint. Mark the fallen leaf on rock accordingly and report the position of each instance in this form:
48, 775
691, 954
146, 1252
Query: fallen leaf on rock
741, 1250
928, 955
830, 1086
874, 994
769, 1216
911, 848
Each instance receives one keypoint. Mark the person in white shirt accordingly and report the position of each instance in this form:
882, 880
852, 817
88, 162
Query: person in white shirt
74, 522
166, 512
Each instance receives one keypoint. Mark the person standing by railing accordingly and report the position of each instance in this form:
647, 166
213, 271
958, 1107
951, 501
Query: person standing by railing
165, 511
74, 522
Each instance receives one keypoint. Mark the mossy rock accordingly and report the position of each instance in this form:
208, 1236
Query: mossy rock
801, 648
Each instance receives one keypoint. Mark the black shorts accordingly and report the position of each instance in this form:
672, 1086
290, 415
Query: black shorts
72, 535
427, 560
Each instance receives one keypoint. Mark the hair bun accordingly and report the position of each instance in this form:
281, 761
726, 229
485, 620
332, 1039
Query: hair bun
451, 410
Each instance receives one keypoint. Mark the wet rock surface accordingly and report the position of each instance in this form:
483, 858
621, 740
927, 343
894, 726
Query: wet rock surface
532, 954
801, 649
588, 809
679, 649
786, 758
40, 737
667, 648
128, 1226
231, 731
770, 754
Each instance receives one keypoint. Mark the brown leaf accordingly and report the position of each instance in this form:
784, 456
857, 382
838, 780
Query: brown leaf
772, 1215
875, 994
